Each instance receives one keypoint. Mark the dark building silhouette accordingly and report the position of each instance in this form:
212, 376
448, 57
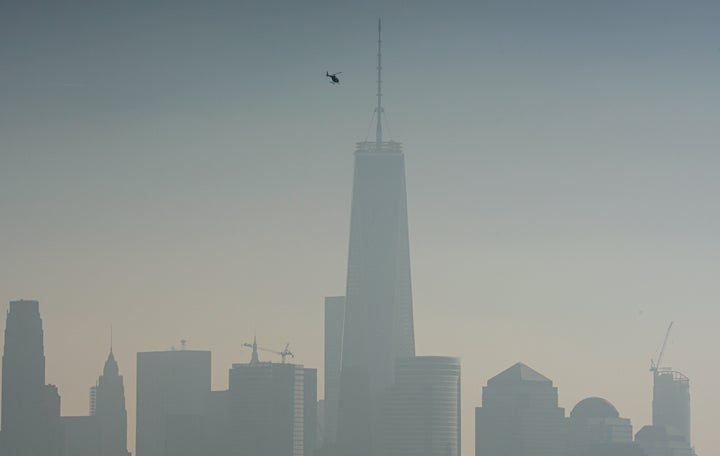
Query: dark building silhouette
378, 326
185, 436
669, 434
595, 424
172, 386
421, 411
108, 407
272, 409
656, 441
30, 408
310, 412
671, 403
334, 321
82, 436
615, 449
520, 416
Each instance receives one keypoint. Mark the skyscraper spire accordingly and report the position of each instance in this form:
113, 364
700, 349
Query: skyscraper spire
378, 324
379, 109
254, 359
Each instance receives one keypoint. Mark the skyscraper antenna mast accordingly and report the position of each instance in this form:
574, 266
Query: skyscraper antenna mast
379, 109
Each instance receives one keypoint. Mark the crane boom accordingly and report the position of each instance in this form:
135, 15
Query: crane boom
283, 354
655, 365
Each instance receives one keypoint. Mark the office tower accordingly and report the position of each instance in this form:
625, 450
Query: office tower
595, 423
669, 434
656, 441
671, 403
334, 321
378, 313
272, 409
169, 384
218, 425
520, 416
83, 436
30, 409
421, 412
310, 414
185, 436
108, 406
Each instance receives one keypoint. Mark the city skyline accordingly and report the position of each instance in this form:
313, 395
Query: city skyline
564, 230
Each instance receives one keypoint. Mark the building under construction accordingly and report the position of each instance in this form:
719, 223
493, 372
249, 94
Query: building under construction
671, 403
670, 432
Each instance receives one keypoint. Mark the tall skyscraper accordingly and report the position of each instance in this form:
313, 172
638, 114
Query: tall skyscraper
334, 320
421, 411
272, 409
30, 409
671, 403
520, 416
171, 386
669, 434
109, 409
378, 314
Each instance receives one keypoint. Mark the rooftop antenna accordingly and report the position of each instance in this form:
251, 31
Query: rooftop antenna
379, 109
111, 339
254, 359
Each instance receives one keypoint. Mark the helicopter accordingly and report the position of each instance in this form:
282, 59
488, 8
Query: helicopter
333, 77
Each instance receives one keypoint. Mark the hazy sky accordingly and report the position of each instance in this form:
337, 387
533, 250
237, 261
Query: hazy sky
182, 169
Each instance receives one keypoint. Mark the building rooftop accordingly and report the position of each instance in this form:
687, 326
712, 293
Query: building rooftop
519, 373
594, 407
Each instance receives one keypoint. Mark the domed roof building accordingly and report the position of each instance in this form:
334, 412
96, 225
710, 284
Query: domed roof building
595, 422
594, 407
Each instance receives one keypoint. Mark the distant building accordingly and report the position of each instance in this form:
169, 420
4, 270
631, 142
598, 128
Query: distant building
669, 434
671, 403
378, 314
30, 409
595, 424
108, 406
520, 416
170, 384
421, 414
185, 436
82, 436
656, 441
272, 409
310, 413
218, 425
615, 449
334, 321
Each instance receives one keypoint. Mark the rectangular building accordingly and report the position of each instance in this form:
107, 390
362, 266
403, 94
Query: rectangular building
272, 409
170, 384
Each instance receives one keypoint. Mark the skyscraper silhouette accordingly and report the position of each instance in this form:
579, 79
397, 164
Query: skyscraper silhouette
30, 409
671, 403
172, 388
520, 416
109, 409
422, 409
378, 326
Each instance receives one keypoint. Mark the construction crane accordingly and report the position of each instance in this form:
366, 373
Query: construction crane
283, 354
655, 364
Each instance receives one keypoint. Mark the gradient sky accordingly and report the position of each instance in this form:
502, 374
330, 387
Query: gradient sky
182, 169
